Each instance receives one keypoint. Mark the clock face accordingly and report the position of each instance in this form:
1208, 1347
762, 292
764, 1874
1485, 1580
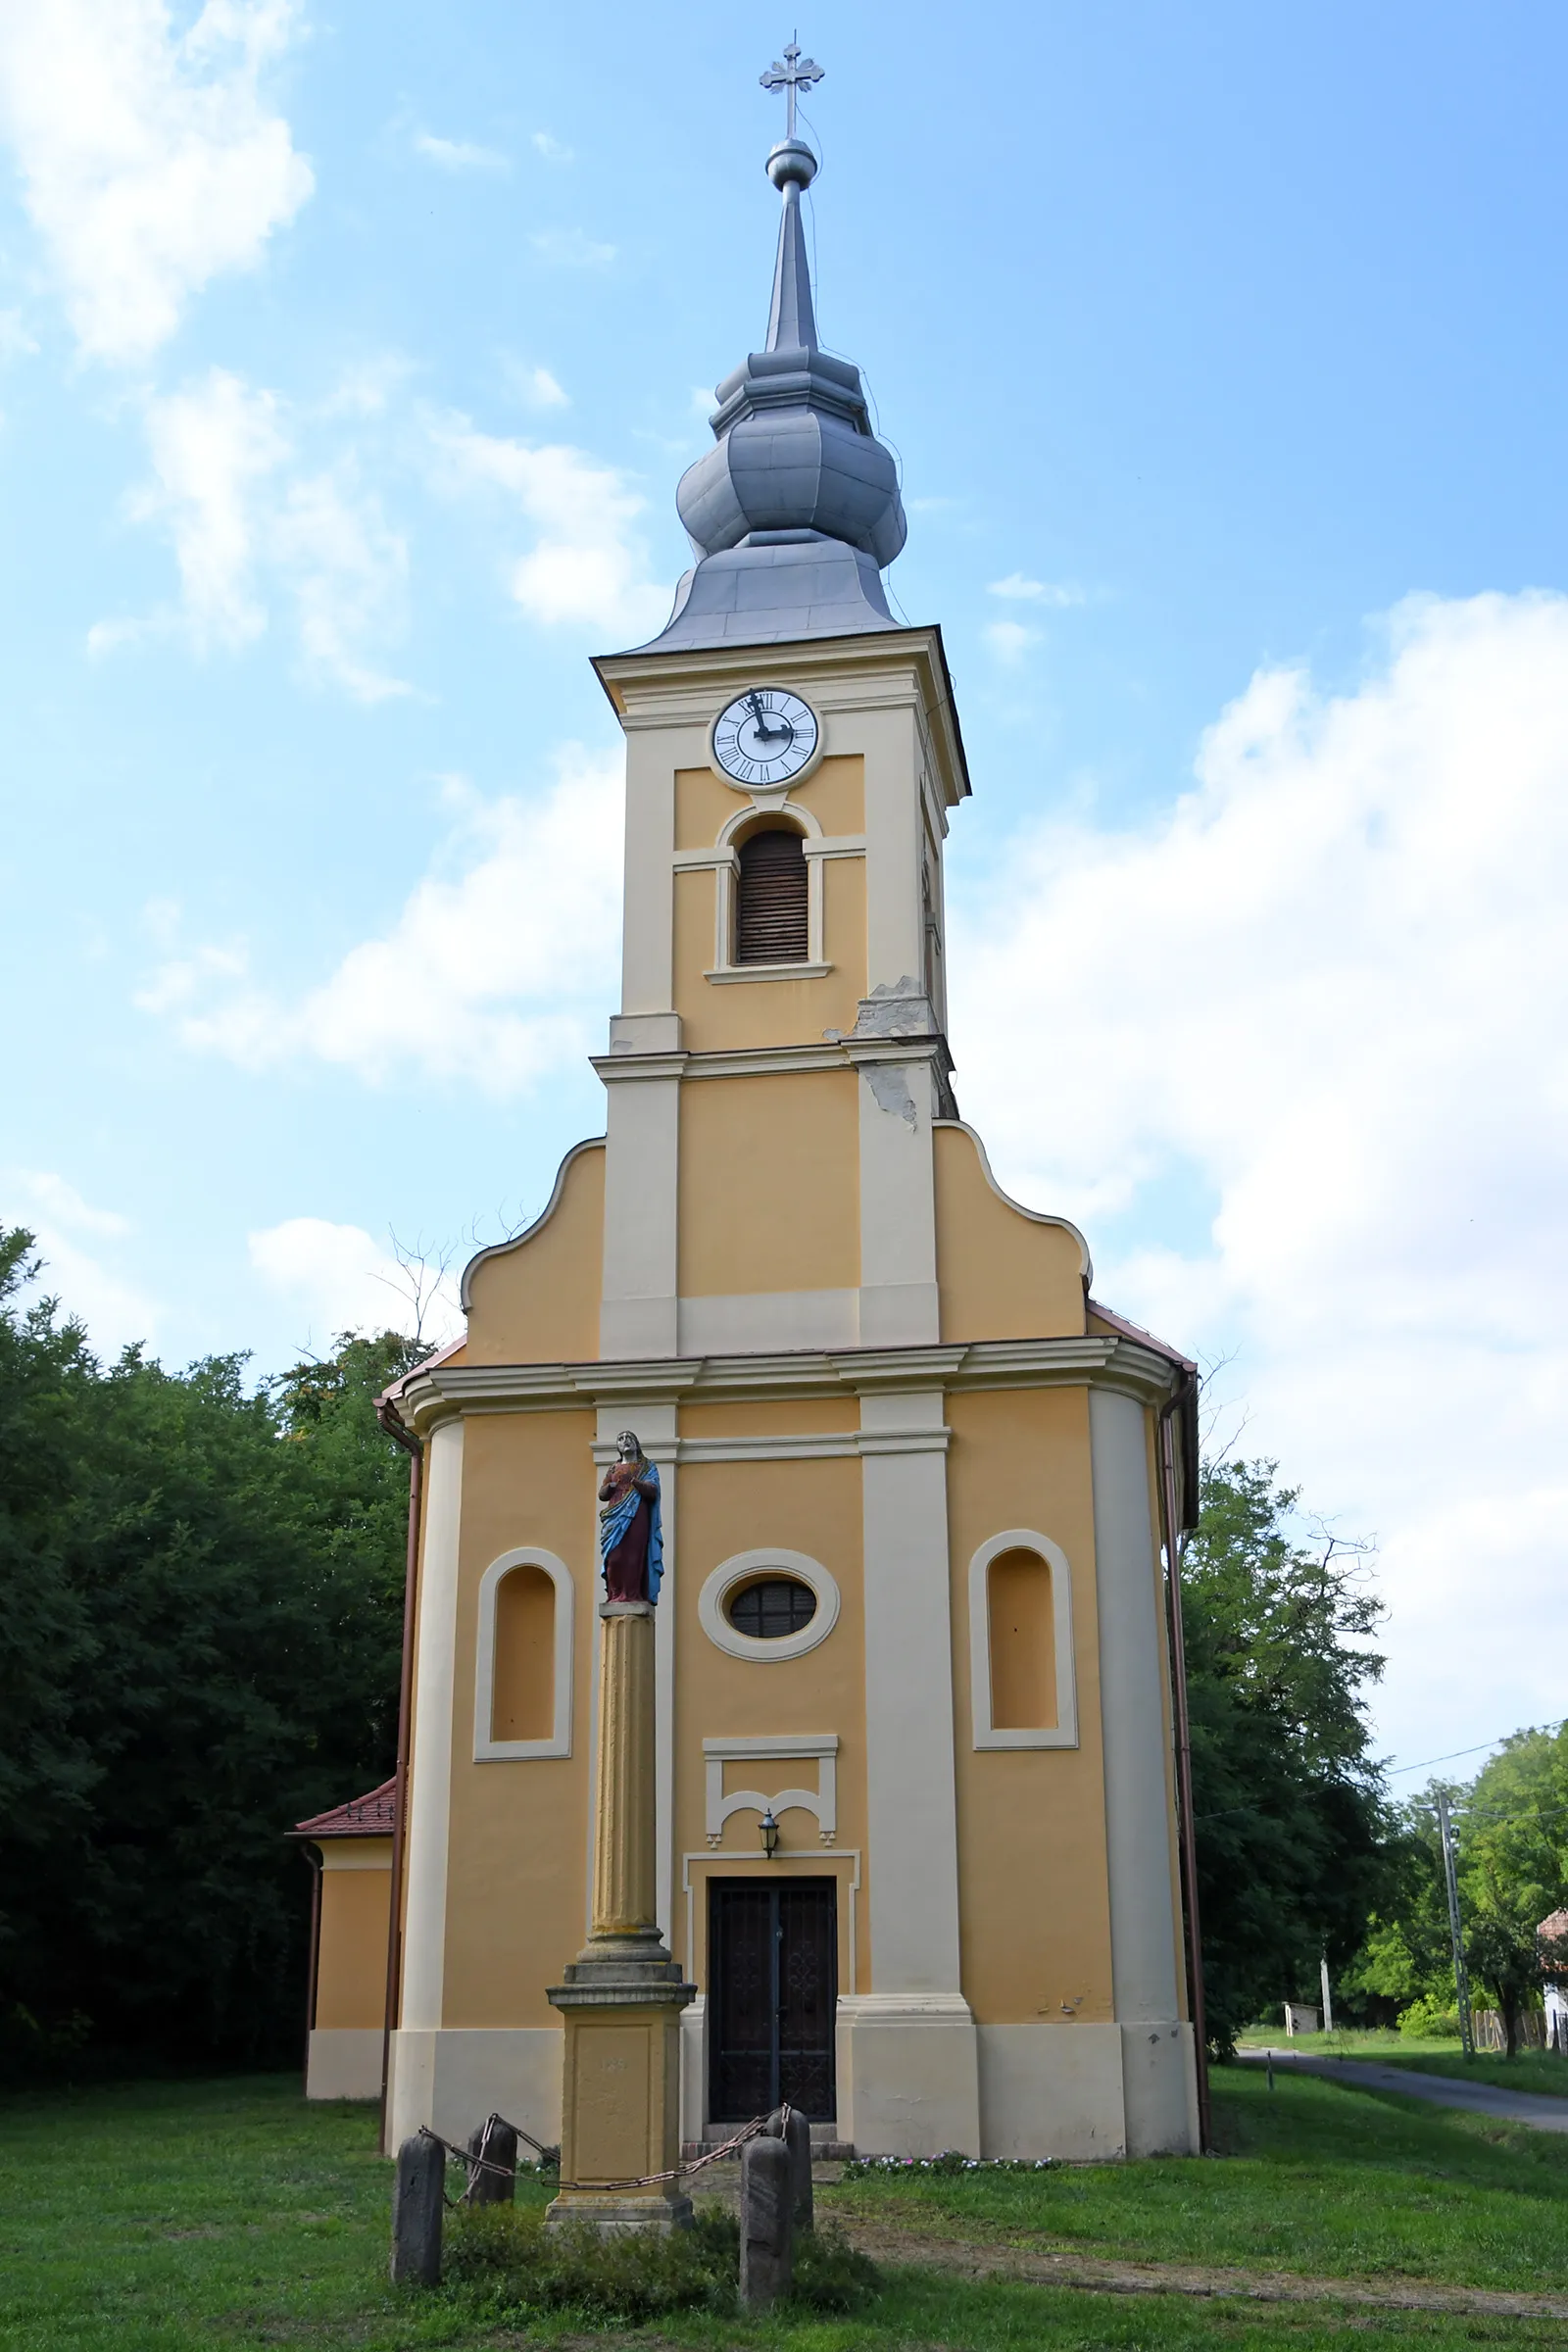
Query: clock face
766, 737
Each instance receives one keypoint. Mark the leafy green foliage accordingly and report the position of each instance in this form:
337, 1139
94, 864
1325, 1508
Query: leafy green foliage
199, 1647
1290, 1818
518, 2266
1511, 1833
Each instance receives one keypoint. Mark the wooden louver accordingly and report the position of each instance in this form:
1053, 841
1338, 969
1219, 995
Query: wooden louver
770, 918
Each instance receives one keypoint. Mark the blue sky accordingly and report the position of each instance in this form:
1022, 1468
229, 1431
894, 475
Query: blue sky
350, 358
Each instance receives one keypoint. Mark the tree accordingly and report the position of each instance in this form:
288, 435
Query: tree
1291, 1828
1513, 1867
199, 1645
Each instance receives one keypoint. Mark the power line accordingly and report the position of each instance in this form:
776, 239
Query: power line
1392, 1770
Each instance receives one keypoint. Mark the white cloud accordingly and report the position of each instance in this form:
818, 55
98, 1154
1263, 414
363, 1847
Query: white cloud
340, 1280
149, 162
1018, 589
587, 565
1009, 640
539, 388
115, 1310
498, 969
570, 249
1330, 989
458, 155
553, 151
248, 522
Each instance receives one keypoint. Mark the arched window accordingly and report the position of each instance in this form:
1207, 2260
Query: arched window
522, 1679
1022, 1688
522, 1685
772, 900
1023, 1667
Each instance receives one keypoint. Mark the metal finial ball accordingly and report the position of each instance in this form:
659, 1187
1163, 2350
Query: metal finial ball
790, 159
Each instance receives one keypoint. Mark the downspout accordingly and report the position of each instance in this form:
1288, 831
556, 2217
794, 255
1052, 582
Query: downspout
1186, 1841
313, 1856
392, 1421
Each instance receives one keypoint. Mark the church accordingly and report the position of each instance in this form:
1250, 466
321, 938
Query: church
916, 1736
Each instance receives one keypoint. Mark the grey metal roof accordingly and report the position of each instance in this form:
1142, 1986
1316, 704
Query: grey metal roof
796, 509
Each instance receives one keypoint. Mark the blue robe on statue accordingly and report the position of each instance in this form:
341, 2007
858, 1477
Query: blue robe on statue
631, 1541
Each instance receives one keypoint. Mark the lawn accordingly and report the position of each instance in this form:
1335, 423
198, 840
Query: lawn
159, 2218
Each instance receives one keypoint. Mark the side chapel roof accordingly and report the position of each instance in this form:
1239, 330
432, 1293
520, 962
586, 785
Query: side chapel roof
371, 1816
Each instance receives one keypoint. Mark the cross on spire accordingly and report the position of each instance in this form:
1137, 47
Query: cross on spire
797, 73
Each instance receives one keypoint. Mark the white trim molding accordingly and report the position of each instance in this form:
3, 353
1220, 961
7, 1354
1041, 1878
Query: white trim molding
746, 1568
1064, 1731
772, 1747
488, 1750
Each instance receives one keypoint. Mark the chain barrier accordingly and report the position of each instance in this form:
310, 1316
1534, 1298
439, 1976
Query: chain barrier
675, 2172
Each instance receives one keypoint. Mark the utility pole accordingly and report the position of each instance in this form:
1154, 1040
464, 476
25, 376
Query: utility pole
1328, 1998
1461, 1980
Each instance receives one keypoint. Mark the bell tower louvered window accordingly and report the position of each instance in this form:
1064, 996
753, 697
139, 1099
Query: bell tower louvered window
771, 923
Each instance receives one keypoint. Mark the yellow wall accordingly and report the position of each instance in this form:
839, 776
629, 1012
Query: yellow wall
351, 1955
813, 1507
538, 1302
517, 1868
783, 1417
1024, 1663
1034, 1902
728, 1014
769, 1177
1003, 1276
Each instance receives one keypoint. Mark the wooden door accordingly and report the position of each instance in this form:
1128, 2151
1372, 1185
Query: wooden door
772, 1970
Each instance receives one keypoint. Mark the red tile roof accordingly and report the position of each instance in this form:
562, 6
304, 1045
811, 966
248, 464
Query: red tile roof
362, 1817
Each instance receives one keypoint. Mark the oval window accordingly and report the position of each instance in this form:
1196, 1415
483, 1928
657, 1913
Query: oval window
775, 1605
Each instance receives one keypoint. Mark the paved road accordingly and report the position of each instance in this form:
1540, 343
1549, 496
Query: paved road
1443, 2090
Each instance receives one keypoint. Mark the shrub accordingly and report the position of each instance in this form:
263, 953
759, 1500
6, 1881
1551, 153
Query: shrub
512, 2264
1429, 2021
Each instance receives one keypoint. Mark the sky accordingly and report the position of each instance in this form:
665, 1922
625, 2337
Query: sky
349, 357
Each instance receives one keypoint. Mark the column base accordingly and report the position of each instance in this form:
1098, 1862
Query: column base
620, 2093
612, 2212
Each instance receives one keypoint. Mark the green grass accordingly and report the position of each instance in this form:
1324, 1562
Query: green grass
162, 2218
1318, 2180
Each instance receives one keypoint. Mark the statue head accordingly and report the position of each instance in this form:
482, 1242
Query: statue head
628, 1445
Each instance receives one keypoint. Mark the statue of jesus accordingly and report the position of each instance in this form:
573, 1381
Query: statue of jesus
631, 1543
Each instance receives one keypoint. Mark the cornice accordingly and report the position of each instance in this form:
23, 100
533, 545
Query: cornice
670, 689
435, 1393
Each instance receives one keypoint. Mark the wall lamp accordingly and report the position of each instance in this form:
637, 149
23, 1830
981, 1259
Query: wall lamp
770, 1831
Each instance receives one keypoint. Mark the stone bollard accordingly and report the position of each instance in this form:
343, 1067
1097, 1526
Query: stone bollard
496, 2142
798, 2139
767, 2214
416, 2192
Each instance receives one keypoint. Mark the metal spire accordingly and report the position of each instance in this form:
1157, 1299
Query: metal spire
792, 166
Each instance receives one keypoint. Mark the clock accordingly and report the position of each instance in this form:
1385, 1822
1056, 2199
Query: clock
768, 736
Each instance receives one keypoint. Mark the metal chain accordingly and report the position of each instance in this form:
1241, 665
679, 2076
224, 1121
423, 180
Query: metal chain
675, 2172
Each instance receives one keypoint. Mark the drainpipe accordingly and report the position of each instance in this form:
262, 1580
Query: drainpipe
392, 1421
1179, 1401
313, 1856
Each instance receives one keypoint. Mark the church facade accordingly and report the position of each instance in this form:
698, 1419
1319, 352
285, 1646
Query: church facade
916, 1732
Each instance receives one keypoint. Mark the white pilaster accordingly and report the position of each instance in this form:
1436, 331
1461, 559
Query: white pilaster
909, 2065
900, 1304
1144, 1928
894, 939
646, 970
429, 1787
638, 1314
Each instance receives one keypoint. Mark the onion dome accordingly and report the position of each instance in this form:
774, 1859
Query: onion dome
796, 509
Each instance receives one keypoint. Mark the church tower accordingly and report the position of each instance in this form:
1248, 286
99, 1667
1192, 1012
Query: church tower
915, 1743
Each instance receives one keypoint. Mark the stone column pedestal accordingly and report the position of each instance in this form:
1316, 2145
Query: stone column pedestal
622, 1996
